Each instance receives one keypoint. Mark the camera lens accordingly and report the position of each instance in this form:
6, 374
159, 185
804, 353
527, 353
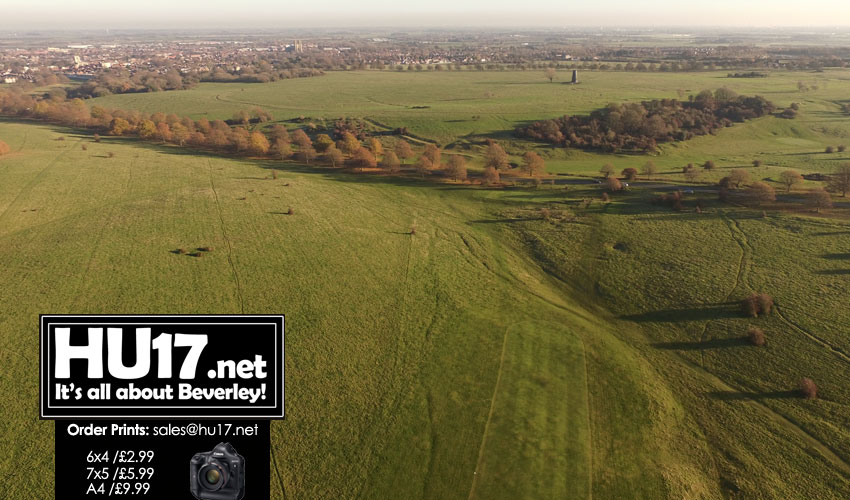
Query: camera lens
212, 477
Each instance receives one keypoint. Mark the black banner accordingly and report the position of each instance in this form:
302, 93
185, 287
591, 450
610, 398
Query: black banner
162, 366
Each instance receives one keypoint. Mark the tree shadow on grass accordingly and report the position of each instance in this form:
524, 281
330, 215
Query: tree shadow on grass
704, 312
702, 345
834, 272
752, 396
836, 256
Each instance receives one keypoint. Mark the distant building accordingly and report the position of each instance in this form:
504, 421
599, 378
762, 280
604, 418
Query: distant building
575, 76
10, 79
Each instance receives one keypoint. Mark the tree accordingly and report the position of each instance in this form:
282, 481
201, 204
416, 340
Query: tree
307, 153
756, 336
119, 126
649, 168
376, 147
629, 173
761, 192
258, 145
456, 168
334, 156
550, 74
690, 172
709, 165
180, 134
818, 198
423, 165
242, 117
613, 184
147, 130
607, 170
323, 142
390, 162
278, 131
350, 143
829, 150
403, 150
282, 148
757, 304
301, 139
490, 176
4, 148
839, 182
533, 164
842, 148
163, 131
756, 163
496, 157
790, 178
739, 176
363, 158
808, 388
433, 154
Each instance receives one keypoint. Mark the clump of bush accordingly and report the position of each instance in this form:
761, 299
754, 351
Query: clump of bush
808, 388
829, 150
757, 304
4, 148
756, 336
673, 200
110, 155
290, 211
205, 249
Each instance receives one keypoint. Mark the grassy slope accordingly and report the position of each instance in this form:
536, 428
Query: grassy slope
396, 342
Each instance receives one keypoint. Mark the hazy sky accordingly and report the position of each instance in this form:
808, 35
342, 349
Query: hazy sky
71, 14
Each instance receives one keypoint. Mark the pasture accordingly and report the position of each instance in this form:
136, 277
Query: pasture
495, 353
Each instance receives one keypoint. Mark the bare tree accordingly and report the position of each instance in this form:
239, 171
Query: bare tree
403, 150
790, 178
818, 198
533, 164
839, 182
550, 74
607, 170
649, 168
496, 157
456, 168
761, 192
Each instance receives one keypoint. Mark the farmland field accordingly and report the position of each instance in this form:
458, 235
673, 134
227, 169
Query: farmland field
493, 352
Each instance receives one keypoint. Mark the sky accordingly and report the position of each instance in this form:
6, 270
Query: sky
204, 14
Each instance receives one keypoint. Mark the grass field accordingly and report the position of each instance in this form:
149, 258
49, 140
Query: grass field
493, 353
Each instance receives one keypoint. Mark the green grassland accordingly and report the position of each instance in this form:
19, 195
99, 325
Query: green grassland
493, 353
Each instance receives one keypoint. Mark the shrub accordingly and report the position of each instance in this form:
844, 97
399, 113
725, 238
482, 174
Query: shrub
84, 147
842, 148
181, 251
205, 249
613, 184
756, 163
629, 173
709, 165
96, 137
757, 304
829, 149
808, 388
60, 138
290, 211
110, 155
4, 148
605, 197
756, 336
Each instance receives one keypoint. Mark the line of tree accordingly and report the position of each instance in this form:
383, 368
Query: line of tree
639, 127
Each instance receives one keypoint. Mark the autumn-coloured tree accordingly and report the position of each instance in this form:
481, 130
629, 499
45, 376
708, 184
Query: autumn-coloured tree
363, 158
277, 131
829, 150
258, 145
350, 144
761, 192
323, 142
613, 184
456, 168
242, 117
757, 163
423, 165
180, 134
607, 170
4, 148
403, 150
739, 176
649, 168
334, 156
496, 157
147, 130
808, 388
376, 147
240, 139
839, 182
550, 74
301, 139
533, 164
790, 178
629, 173
756, 336
490, 176
307, 154
119, 126
433, 154
163, 131
709, 165
690, 172
818, 198
390, 162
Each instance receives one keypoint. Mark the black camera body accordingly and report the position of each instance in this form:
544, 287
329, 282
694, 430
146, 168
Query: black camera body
218, 474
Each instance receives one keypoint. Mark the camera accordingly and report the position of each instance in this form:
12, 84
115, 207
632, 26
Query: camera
218, 474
